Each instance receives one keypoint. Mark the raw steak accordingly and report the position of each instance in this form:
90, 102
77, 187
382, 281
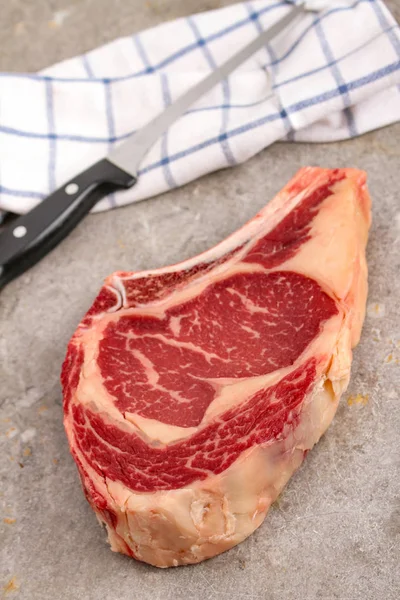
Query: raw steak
193, 392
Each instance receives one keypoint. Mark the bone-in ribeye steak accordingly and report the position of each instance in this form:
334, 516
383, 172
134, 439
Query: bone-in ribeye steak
193, 392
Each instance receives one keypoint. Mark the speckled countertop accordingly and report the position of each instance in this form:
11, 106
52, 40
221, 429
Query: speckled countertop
335, 532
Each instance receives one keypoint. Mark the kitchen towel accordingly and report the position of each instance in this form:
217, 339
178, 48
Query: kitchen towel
329, 76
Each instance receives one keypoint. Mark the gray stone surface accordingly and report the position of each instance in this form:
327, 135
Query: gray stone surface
335, 532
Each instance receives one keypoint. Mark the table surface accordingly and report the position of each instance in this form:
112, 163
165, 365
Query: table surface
335, 531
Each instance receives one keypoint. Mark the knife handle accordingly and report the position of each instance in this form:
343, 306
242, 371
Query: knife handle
30, 237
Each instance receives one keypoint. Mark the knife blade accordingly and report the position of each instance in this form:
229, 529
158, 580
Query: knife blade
31, 236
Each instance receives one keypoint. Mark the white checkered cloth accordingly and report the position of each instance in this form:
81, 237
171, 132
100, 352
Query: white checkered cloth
330, 76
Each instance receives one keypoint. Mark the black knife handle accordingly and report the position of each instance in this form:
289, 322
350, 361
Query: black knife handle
36, 252
30, 237
51, 212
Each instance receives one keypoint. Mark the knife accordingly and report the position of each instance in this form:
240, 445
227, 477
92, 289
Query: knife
31, 236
